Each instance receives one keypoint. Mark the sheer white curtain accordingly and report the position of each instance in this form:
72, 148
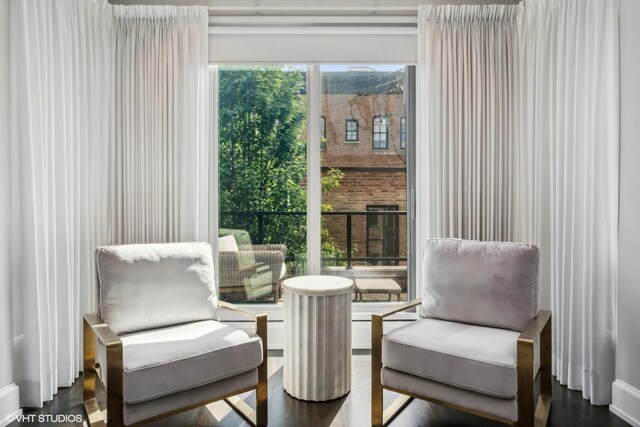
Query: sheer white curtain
518, 140
161, 168
465, 163
569, 122
60, 80
109, 144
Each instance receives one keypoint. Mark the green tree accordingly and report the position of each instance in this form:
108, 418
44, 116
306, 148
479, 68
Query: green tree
262, 151
330, 249
262, 156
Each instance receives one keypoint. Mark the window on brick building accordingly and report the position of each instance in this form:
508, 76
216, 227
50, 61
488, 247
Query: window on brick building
380, 133
351, 130
403, 133
383, 235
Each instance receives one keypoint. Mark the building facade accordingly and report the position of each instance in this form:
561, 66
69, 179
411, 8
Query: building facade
363, 130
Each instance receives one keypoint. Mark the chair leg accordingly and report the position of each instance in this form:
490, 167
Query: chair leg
525, 383
259, 417
115, 402
243, 409
395, 408
113, 372
91, 407
544, 402
262, 391
89, 360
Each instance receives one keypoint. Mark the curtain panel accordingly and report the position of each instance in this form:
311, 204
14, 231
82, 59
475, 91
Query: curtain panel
160, 166
569, 125
109, 144
60, 76
517, 139
466, 99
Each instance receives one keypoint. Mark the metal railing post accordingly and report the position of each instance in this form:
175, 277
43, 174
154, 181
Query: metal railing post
260, 228
349, 242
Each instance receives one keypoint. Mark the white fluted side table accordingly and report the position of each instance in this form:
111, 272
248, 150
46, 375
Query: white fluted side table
317, 347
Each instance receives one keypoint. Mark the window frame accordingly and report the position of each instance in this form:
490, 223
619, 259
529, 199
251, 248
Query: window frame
360, 312
403, 133
347, 130
385, 133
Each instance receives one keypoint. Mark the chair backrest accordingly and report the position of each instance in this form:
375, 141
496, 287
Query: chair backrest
151, 286
483, 283
241, 237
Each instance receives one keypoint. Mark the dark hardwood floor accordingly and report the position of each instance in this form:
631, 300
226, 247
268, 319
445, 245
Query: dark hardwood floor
568, 408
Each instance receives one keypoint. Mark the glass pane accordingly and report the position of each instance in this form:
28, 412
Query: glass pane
262, 171
364, 195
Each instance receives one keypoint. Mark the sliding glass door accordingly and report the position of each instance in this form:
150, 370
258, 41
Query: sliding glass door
262, 120
266, 184
364, 172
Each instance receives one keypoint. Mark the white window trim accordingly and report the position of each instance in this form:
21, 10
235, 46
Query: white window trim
314, 172
276, 35
361, 311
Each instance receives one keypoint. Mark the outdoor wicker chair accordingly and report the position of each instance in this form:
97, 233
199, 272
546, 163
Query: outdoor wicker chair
255, 270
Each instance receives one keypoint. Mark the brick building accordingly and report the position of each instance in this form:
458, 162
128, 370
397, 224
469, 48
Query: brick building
364, 135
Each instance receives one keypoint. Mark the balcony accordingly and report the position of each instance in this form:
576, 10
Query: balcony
353, 246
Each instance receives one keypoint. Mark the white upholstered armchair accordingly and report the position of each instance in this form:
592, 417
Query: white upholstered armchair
159, 346
473, 348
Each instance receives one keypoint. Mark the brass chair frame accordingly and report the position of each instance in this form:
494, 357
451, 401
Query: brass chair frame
94, 326
528, 414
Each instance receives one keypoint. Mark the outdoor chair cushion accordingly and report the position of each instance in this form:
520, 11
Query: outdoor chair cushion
227, 244
246, 258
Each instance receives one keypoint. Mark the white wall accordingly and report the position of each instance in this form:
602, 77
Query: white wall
8, 391
626, 390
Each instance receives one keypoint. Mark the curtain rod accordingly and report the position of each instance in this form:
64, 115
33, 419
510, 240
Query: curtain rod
391, 11
313, 11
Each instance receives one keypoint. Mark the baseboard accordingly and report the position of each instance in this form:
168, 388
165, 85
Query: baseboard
9, 404
626, 402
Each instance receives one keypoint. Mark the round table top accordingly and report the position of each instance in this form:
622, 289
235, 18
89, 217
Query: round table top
318, 285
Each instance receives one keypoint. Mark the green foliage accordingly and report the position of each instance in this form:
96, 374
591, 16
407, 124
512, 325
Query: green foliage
331, 179
262, 151
262, 156
330, 248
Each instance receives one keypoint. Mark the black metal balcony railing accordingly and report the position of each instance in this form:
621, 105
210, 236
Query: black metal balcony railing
260, 217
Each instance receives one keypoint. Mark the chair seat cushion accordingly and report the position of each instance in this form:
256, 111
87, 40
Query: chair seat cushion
163, 361
471, 357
